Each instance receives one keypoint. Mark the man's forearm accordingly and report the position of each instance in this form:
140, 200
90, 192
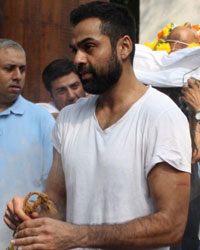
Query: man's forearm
148, 232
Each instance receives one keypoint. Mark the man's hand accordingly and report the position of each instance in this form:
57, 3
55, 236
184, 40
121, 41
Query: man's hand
14, 213
47, 233
191, 94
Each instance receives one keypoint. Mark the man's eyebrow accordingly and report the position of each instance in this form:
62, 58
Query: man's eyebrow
15, 65
81, 42
74, 83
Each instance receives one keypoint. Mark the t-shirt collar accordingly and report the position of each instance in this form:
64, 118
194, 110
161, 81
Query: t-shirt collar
17, 108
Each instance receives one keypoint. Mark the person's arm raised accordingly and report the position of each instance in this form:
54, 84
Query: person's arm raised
191, 96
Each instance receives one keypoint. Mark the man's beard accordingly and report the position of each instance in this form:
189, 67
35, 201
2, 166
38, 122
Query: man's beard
104, 79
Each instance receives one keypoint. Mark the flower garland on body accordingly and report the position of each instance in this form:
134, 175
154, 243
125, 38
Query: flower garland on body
162, 43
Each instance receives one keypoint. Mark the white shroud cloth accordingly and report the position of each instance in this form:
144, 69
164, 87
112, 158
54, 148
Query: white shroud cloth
160, 69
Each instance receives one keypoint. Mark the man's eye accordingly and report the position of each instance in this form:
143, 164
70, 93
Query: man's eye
22, 69
89, 46
75, 85
9, 69
61, 91
73, 50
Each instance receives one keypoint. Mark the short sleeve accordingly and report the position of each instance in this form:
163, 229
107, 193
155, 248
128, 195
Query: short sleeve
57, 133
169, 141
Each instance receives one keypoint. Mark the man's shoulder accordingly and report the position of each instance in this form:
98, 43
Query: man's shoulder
158, 100
36, 111
156, 104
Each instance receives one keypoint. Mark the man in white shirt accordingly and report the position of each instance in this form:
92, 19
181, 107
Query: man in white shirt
121, 171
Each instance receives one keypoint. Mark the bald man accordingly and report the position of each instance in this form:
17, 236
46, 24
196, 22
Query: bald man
181, 36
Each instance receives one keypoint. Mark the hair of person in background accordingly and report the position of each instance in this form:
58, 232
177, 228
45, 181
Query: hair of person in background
7, 43
56, 69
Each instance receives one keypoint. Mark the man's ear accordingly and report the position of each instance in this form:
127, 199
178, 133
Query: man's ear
125, 47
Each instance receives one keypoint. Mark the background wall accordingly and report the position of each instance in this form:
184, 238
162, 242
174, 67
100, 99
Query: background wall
156, 14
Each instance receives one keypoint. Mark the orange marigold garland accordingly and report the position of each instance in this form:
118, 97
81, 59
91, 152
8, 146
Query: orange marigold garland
197, 28
161, 44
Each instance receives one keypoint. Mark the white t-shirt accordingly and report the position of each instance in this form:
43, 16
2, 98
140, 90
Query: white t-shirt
49, 106
106, 170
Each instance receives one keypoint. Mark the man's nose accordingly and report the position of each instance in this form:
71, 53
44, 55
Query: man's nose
71, 95
80, 58
17, 75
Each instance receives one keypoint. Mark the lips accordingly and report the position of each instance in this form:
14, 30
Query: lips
85, 72
86, 76
15, 88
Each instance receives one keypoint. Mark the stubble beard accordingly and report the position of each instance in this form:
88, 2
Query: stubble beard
103, 78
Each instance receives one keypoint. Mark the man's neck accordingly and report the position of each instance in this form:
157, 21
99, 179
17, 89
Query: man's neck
4, 106
113, 104
128, 87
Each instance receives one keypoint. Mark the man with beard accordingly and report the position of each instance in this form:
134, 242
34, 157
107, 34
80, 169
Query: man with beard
121, 171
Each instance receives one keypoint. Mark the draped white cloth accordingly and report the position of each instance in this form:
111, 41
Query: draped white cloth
160, 69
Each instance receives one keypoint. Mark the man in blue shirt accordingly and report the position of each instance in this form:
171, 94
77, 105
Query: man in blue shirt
25, 128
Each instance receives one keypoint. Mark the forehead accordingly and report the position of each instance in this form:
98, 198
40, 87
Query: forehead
65, 80
183, 31
12, 56
88, 28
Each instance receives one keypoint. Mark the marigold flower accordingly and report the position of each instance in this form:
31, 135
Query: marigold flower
193, 45
161, 44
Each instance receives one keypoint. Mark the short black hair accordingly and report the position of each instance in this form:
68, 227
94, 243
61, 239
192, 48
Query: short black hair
116, 20
56, 69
